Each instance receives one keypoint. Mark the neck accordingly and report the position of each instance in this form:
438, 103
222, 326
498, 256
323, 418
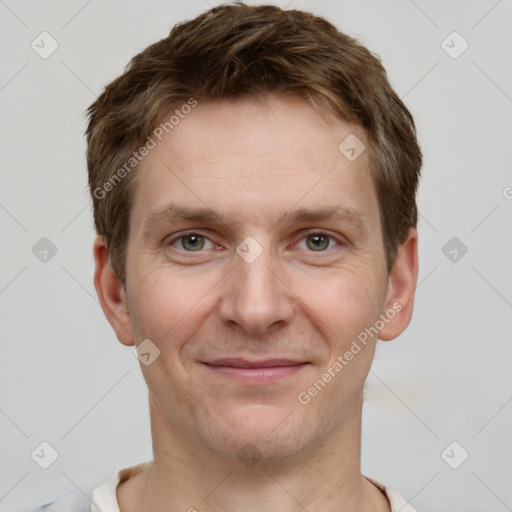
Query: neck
185, 476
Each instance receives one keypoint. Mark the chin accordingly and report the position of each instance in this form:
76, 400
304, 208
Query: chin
263, 433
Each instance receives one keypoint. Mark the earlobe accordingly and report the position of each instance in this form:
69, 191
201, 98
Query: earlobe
111, 293
399, 303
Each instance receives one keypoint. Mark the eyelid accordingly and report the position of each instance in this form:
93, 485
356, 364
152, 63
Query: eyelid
172, 239
340, 240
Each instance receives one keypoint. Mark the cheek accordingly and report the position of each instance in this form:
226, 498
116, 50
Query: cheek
347, 308
343, 301
168, 307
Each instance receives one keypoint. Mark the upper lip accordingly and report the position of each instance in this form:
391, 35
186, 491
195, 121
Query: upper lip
245, 363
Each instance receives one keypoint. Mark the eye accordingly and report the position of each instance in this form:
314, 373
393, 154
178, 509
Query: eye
318, 242
191, 242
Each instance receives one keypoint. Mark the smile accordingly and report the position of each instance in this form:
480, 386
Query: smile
256, 372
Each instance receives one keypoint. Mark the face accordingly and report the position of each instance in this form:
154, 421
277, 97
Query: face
255, 261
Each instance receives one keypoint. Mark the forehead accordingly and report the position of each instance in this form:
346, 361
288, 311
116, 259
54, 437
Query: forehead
254, 157
266, 127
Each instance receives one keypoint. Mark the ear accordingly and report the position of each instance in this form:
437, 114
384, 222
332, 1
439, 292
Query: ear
401, 288
111, 293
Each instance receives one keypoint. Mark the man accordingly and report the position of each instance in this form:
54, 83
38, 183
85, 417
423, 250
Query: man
253, 177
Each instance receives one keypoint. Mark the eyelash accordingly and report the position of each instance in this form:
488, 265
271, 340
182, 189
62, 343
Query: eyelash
305, 235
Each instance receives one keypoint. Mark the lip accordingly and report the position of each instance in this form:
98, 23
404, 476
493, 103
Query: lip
256, 372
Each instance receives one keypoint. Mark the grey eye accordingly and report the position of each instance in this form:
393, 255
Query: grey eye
192, 242
317, 242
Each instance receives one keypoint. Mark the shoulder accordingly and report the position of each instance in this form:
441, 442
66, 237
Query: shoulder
396, 500
75, 501
104, 497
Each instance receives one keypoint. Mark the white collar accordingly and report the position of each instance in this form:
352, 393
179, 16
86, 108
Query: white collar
104, 498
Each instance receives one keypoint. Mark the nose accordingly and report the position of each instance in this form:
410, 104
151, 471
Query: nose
255, 297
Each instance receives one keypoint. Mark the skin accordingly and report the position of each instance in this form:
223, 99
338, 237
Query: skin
251, 160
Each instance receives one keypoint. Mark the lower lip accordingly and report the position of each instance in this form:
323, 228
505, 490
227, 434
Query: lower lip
257, 375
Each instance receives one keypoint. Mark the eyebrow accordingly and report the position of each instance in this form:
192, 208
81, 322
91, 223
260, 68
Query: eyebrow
174, 213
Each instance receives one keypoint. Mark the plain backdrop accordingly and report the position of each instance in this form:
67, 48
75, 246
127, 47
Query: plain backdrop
67, 381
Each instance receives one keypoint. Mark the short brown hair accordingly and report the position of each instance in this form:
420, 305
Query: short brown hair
235, 50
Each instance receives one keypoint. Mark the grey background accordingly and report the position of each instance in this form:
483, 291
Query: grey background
66, 380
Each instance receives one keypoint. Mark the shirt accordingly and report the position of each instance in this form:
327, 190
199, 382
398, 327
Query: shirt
104, 498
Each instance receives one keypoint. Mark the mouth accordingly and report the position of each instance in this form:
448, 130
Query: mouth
256, 372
